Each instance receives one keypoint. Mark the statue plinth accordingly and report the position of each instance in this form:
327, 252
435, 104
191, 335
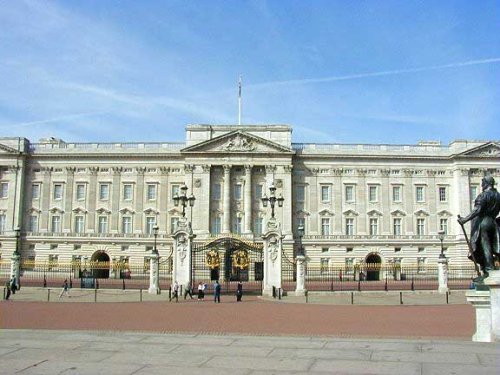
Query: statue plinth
480, 299
493, 282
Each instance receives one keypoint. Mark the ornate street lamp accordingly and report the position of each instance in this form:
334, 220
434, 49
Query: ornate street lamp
441, 238
155, 234
300, 234
272, 199
184, 200
17, 230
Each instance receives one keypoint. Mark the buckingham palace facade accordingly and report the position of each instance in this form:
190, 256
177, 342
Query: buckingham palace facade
375, 203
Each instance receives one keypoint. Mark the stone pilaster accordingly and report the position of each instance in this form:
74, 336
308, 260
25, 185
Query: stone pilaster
248, 199
115, 199
226, 226
493, 282
154, 275
45, 198
443, 274
202, 192
164, 197
287, 203
92, 199
139, 200
67, 225
361, 199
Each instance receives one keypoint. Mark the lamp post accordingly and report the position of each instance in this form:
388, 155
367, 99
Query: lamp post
155, 234
441, 238
184, 200
272, 199
300, 234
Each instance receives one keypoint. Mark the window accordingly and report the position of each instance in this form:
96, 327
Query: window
4, 190
80, 192
420, 227
237, 225
323, 265
127, 192
349, 265
126, 224
420, 194
396, 226
373, 226
124, 248
175, 191
324, 249
151, 192
349, 193
173, 223
421, 249
216, 192
372, 193
421, 265
150, 223
443, 225
102, 224
349, 226
58, 191
258, 191
76, 248
3, 219
473, 193
442, 194
79, 224
35, 191
237, 191
325, 193
396, 193
300, 193
325, 227
56, 223
34, 223
348, 249
217, 225
397, 249
103, 192
257, 229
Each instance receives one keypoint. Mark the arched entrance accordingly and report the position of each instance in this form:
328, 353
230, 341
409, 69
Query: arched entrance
100, 265
373, 263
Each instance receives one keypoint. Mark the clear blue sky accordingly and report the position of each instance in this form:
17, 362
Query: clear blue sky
337, 71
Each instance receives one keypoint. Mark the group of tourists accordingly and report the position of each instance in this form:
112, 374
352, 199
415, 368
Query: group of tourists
202, 288
10, 287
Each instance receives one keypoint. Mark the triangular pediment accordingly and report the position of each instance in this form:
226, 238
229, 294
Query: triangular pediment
445, 213
398, 213
326, 212
237, 141
487, 150
7, 150
374, 213
350, 213
421, 213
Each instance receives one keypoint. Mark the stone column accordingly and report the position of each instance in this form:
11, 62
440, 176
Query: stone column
287, 203
248, 199
67, 225
226, 226
493, 281
300, 289
139, 201
361, 198
115, 200
480, 299
45, 199
273, 247
90, 224
202, 192
154, 275
443, 274
183, 242
164, 197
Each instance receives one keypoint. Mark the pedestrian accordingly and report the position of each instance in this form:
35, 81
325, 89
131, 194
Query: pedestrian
239, 292
201, 292
7, 294
175, 292
217, 292
65, 289
188, 290
13, 284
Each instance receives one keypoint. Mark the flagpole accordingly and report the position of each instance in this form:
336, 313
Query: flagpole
239, 101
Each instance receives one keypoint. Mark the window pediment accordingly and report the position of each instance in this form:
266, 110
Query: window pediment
374, 213
398, 213
79, 210
326, 212
126, 210
445, 213
350, 213
102, 211
421, 213
151, 211
54, 210
302, 213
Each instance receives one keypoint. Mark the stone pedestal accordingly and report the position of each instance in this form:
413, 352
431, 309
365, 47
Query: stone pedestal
183, 242
154, 275
480, 299
443, 274
300, 289
15, 268
273, 247
493, 282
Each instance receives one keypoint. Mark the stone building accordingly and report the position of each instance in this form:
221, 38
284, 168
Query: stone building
358, 203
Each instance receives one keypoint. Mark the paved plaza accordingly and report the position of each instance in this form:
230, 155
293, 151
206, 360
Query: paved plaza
258, 336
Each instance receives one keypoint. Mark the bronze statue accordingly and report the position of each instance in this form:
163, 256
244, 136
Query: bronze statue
484, 245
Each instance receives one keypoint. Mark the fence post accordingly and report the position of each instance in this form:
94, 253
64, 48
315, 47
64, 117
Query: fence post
141, 295
352, 298
48, 295
44, 281
331, 286
413, 283
95, 295
359, 285
307, 296
123, 284
386, 288
279, 293
4, 292
447, 298
400, 298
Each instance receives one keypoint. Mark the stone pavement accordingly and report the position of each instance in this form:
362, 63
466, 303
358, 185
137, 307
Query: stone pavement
106, 352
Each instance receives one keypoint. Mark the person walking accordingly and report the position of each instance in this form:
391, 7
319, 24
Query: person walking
13, 284
175, 292
239, 291
65, 289
7, 292
217, 292
201, 291
188, 290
